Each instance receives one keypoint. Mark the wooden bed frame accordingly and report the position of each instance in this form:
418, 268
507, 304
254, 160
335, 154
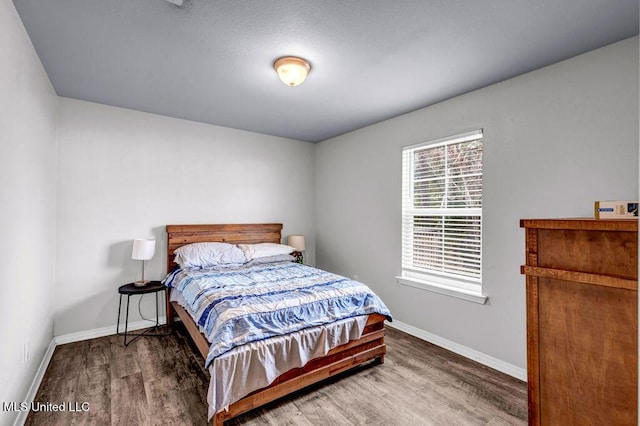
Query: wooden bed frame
370, 347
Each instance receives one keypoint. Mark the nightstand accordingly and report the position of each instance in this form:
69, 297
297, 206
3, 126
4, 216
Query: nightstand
131, 290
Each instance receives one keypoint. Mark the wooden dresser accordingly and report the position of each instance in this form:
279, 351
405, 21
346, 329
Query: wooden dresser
582, 321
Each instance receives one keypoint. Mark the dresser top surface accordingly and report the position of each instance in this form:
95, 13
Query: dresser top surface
625, 225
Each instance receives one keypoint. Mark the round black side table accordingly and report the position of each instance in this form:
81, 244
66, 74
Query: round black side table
130, 290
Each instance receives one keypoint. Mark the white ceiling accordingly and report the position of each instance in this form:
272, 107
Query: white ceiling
211, 60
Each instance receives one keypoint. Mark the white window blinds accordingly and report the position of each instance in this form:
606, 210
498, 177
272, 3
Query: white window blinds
442, 211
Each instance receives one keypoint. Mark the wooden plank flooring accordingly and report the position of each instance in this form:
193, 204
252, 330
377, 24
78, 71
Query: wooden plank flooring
161, 381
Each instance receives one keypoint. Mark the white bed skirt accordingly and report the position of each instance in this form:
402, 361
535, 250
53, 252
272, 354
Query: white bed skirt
256, 365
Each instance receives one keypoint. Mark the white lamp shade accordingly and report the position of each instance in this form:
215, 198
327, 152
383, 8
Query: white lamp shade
143, 249
296, 241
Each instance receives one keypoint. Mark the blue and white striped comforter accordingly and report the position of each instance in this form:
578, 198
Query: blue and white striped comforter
247, 304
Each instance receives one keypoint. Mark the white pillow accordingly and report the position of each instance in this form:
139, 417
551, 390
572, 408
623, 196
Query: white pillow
255, 251
207, 255
270, 259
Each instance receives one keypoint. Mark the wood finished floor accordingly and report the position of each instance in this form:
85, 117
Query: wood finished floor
161, 381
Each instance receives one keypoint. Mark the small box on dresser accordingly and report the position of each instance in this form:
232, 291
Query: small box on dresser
582, 321
616, 210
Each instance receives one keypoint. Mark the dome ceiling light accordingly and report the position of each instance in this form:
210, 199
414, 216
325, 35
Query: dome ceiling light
291, 70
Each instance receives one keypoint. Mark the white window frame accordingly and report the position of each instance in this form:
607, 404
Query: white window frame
451, 284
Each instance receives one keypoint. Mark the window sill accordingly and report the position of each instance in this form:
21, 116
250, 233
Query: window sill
443, 289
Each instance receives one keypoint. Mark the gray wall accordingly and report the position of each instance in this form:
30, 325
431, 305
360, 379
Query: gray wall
124, 174
556, 140
27, 217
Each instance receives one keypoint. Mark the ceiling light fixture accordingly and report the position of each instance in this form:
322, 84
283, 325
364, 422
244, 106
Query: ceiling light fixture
291, 70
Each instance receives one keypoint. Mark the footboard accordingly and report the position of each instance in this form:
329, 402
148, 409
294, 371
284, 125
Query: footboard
369, 347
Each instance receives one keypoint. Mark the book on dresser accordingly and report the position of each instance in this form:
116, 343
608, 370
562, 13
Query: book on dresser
582, 321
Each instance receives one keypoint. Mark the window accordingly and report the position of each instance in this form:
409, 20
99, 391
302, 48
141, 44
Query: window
442, 216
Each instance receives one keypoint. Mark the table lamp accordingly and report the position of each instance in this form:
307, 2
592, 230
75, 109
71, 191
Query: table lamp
142, 250
297, 242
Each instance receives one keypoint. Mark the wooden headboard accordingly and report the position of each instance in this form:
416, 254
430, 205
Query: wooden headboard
180, 235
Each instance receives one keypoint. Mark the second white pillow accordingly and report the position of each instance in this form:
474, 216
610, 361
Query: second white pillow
255, 251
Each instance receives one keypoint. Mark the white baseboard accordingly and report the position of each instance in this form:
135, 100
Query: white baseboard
104, 331
484, 359
35, 384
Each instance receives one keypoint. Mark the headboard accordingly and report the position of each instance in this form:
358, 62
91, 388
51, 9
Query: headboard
180, 235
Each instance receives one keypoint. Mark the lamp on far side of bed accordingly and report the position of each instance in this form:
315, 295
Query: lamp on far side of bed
297, 242
142, 250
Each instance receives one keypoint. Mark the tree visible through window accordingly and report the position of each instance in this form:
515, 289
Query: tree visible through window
442, 212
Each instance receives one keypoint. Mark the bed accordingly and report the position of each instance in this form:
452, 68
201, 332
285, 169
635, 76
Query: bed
365, 346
